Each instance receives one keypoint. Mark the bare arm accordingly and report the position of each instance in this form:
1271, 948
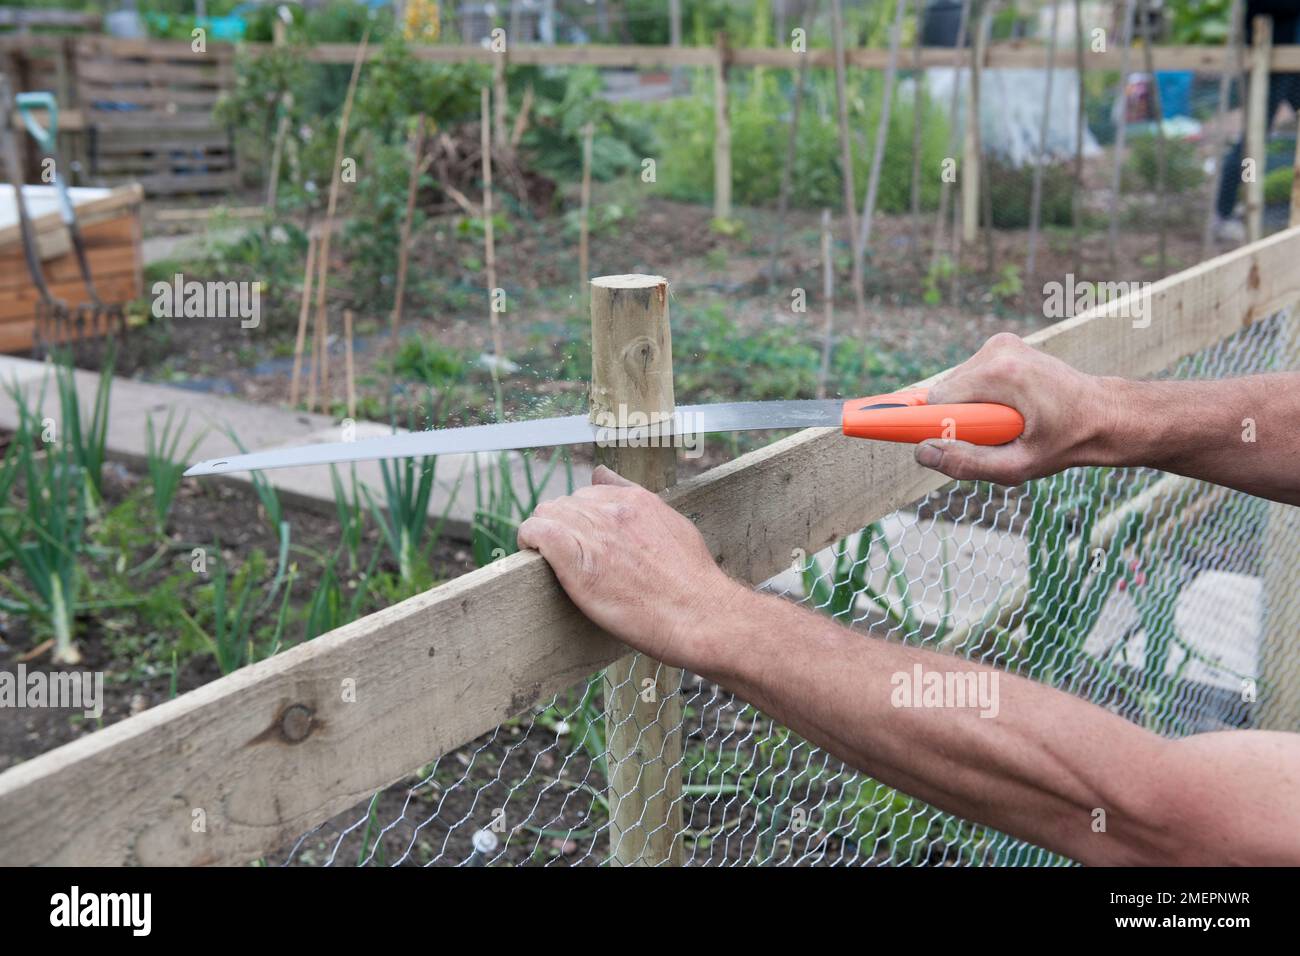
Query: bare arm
1038, 764
1038, 769
1242, 433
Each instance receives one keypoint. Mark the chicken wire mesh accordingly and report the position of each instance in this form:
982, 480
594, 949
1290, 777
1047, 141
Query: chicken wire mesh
1139, 591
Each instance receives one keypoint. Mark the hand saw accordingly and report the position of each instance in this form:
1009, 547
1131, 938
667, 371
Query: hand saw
897, 416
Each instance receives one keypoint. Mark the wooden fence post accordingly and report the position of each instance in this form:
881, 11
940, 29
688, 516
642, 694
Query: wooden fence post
632, 374
970, 160
1257, 123
1279, 648
721, 132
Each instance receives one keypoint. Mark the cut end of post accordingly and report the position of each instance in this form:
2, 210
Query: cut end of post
631, 281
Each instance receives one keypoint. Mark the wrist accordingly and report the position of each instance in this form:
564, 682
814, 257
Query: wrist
1109, 437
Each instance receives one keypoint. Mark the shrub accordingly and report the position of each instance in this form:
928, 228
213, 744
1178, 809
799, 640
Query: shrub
1012, 192
760, 110
1182, 167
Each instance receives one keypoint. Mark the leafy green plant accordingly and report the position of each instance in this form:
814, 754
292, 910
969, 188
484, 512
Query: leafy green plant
404, 519
1277, 187
89, 442
1012, 191
499, 509
272, 510
351, 517
428, 362
230, 634
166, 463
47, 540
759, 144
329, 607
1182, 165
835, 590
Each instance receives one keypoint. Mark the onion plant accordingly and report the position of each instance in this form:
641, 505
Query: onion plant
166, 464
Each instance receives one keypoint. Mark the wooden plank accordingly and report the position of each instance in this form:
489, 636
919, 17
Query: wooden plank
1012, 54
163, 124
126, 197
37, 17
643, 706
156, 49
20, 303
165, 183
273, 749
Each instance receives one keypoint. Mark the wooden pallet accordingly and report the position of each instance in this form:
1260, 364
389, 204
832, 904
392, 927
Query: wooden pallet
149, 108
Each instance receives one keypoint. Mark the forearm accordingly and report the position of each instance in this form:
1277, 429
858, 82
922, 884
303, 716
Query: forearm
1242, 433
1039, 767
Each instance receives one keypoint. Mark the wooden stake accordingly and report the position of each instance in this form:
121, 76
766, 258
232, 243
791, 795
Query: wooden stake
521, 119
945, 187
418, 165
632, 374
787, 171
1257, 120
489, 244
918, 106
882, 136
1221, 138
721, 132
1148, 64
1076, 204
501, 100
584, 225
336, 178
1121, 131
828, 303
1036, 196
970, 159
846, 159
303, 310
282, 125
347, 364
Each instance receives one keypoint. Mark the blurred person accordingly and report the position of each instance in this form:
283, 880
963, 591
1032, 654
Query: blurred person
1282, 88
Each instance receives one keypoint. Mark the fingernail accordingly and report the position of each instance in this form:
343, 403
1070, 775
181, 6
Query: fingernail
929, 454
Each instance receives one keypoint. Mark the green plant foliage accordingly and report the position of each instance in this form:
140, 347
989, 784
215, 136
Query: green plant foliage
1277, 187
1182, 166
426, 361
231, 608
1012, 190
565, 102
760, 108
45, 541
499, 508
166, 463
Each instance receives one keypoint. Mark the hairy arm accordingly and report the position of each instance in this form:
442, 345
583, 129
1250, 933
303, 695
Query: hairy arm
1037, 769
1243, 433
1039, 764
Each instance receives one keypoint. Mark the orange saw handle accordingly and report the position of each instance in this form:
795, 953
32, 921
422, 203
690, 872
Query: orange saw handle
905, 417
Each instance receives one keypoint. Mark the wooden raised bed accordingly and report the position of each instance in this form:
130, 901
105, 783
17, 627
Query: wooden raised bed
110, 225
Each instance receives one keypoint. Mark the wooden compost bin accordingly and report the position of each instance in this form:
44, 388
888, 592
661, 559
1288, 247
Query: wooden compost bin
110, 224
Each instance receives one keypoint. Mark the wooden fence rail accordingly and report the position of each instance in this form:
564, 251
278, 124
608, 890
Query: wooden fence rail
241, 767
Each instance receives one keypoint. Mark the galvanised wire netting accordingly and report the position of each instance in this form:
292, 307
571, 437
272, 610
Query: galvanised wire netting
1139, 591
